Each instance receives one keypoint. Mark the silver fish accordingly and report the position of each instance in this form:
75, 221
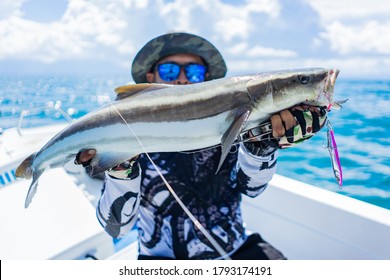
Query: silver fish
166, 118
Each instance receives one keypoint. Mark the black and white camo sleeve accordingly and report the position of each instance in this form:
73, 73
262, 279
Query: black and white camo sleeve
254, 172
118, 206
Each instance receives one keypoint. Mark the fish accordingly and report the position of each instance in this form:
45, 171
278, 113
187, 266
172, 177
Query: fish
171, 118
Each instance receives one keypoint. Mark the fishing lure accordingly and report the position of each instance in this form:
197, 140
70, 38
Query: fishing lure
265, 130
334, 155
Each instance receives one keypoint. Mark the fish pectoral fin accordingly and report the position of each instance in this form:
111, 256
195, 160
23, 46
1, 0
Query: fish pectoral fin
123, 92
33, 188
228, 138
104, 161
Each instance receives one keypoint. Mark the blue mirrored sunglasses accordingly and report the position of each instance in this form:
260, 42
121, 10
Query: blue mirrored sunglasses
170, 71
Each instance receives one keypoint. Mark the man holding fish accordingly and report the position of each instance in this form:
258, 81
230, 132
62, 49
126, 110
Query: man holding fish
134, 192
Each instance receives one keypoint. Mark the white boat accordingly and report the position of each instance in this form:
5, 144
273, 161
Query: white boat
305, 222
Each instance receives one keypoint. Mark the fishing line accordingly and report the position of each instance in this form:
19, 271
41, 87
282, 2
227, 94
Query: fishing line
211, 239
241, 139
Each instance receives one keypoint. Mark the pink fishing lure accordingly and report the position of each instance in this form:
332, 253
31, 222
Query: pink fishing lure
334, 155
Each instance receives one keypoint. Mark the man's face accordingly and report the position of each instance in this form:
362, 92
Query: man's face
180, 59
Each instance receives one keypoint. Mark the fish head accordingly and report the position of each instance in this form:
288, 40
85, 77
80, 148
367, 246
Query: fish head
284, 89
325, 89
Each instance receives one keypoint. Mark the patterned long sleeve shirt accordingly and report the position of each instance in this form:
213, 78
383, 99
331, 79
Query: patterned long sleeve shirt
164, 229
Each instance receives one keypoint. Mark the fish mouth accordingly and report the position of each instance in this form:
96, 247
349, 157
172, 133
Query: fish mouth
331, 80
329, 83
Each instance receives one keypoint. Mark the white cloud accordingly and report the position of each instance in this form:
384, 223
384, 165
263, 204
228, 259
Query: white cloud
233, 28
81, 32
236, 21
354, 26
253, 35
10, 8
228, 21
178, 13
350, 9
259, 51
127, 4
238, 49
370, 37
102, 28
242, 49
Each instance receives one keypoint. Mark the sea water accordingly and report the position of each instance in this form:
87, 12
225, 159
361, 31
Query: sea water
362, 127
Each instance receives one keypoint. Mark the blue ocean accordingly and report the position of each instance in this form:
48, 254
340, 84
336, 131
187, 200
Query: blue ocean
362, 127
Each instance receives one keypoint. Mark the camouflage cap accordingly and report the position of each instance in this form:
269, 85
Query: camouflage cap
174, 43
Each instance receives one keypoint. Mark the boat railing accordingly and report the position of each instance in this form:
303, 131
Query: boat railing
55, 106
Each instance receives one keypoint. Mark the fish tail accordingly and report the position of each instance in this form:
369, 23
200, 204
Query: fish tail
25, 170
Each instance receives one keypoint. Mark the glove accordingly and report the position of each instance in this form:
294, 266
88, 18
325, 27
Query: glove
126, 170
309, 121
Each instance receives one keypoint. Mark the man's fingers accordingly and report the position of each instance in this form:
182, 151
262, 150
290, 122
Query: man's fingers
287, 119
278, 129
282, 122
85, 156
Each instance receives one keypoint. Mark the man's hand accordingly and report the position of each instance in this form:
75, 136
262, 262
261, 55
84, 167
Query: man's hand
289, 127
309, 120
289, 118
126, 170
84, 157
281, 122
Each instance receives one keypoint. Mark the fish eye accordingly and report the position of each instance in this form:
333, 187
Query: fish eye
303, 79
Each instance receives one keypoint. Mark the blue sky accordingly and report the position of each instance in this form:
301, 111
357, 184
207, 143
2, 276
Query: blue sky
103, 36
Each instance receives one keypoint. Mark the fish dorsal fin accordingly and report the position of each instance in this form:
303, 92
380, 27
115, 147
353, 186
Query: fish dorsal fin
130, 90
231, 134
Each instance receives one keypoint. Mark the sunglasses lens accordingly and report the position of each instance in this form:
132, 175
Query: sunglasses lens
195, 73
169, 71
